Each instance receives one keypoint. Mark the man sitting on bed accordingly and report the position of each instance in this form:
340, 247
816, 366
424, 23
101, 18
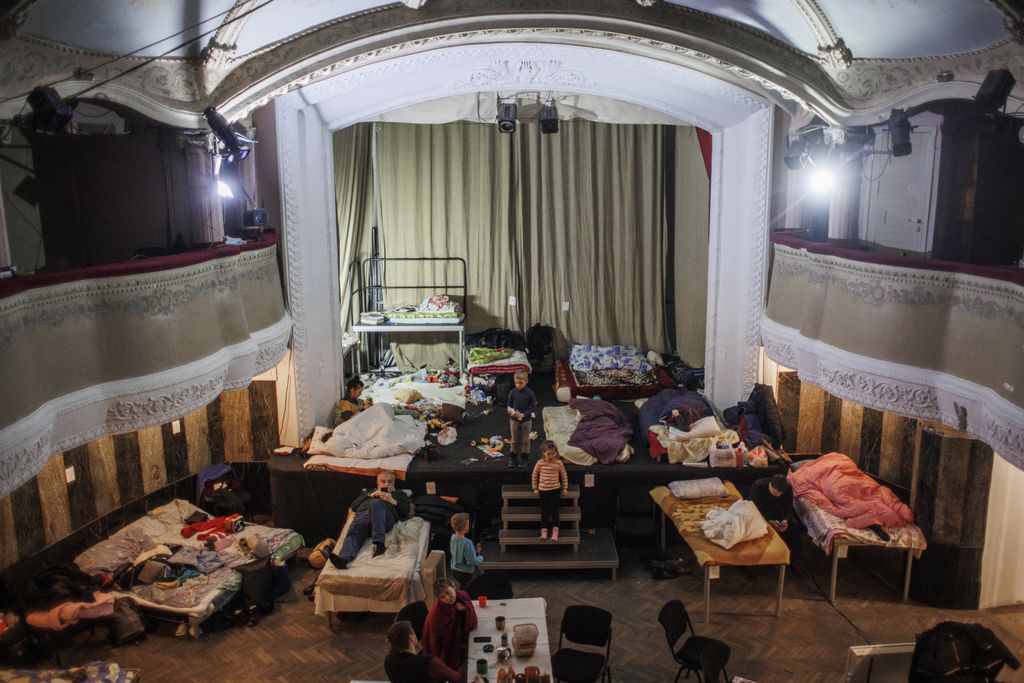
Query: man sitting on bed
773, 497
377, 512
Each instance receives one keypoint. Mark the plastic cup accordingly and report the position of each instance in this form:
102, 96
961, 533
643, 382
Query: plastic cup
481, 666
482, 601
499, 623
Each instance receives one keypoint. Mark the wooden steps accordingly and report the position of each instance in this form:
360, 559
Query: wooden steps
519, 545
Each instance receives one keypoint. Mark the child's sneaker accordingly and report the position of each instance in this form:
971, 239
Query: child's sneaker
512, 460
554, 534
543, 534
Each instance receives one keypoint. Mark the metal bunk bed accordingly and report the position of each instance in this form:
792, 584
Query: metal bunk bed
369, 293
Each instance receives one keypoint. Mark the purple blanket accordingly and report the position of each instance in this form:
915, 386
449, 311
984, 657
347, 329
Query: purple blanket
603, 430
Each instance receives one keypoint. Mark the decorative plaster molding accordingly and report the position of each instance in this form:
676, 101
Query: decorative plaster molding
126, 405
414, 4
837, 55
545, 72
288, 122
757, 263
899, 389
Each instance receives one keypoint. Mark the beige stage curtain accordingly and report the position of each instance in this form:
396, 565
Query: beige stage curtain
444, 192
691, 249
590, 218
353, 192
578, 217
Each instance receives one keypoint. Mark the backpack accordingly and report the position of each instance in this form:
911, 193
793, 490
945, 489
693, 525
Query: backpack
540, 346
220, 491
127, 625
257, 584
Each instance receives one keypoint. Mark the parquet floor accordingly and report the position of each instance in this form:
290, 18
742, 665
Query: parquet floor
807, 643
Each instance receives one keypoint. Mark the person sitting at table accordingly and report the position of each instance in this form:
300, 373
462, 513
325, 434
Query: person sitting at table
404, 665
773, 497
448, 624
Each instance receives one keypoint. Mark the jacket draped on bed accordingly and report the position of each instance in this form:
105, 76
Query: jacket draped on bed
603, 430
446, 629
837, 485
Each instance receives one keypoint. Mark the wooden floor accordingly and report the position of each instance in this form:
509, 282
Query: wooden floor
807, 643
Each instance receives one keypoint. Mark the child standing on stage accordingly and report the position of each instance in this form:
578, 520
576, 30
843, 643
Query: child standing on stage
466, 558
522, 406
550, 481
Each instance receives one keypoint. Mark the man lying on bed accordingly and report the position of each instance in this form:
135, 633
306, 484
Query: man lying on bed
377, 512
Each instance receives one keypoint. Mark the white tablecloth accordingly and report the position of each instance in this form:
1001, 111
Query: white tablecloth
517, 611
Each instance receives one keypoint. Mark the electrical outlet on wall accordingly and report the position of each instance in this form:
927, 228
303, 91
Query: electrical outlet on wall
176, 427
511, 301
431, 488
588, 480
69, 473
565, 305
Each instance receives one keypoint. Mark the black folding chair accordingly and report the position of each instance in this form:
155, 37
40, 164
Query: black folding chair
583, 625
676, 622
416, 614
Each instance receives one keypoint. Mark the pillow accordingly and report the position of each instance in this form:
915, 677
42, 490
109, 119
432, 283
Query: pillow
451, 413
692, 489
701, 429
407, 396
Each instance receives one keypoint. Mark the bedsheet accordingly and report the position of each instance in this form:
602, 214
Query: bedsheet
383, 391
617, 357
559, 424
824, 527
392, 579
687, 515
198, 596
372, 434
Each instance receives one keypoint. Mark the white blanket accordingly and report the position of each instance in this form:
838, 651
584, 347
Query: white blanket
374, 433
741, 522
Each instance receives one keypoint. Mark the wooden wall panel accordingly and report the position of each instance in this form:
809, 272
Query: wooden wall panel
103, 472
113, 471
850, 428
8, 539
53, 496
789, 407
237, 421
151, 459
81, 494
197, 440
812, 417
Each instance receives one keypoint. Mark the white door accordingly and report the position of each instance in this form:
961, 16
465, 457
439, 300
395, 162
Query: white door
896, 194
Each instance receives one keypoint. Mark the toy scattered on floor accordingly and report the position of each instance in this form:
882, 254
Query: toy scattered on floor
469, 461
496, 442
472, 444
447, 435
533, 436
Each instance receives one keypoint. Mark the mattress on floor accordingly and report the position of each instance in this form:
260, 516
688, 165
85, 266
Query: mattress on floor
559, 424
577, 384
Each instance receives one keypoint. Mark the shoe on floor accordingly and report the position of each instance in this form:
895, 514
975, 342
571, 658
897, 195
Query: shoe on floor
378, 549
524, 460
543, 534
554, 534
337, 561
512, 460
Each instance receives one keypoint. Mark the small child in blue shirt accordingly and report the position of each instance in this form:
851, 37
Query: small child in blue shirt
466, 558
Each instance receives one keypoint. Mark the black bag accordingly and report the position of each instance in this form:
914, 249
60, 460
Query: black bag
127, 625
257, 584
502, 386
540, 344
966, 653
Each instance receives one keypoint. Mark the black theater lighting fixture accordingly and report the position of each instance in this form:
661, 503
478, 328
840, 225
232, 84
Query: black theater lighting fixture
507, 117
994, 90
548, 118
235, 144
50, 113
899, 133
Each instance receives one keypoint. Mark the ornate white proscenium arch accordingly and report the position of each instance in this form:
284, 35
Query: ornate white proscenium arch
741, 124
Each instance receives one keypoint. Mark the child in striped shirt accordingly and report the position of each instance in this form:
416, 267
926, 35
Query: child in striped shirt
550, 481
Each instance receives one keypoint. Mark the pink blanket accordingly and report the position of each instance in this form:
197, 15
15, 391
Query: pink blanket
837, 485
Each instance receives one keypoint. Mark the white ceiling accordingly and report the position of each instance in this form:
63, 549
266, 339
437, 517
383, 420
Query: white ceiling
872, 29
855, 56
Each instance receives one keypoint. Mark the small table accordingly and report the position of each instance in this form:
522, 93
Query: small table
515, 611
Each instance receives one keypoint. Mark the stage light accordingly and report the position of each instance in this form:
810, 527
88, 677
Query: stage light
899, 133
228, 136
995, 89
548, 119
50, 112
821, 180
224, 190
796, 155
507, 117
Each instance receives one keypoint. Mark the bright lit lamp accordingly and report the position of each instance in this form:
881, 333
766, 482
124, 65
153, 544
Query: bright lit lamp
821, 180
224, 190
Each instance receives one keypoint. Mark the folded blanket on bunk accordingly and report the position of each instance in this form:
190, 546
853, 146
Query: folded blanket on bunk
374, 433
481, 355
618, 357
603, 430
692, 489
835, 484
516, 361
